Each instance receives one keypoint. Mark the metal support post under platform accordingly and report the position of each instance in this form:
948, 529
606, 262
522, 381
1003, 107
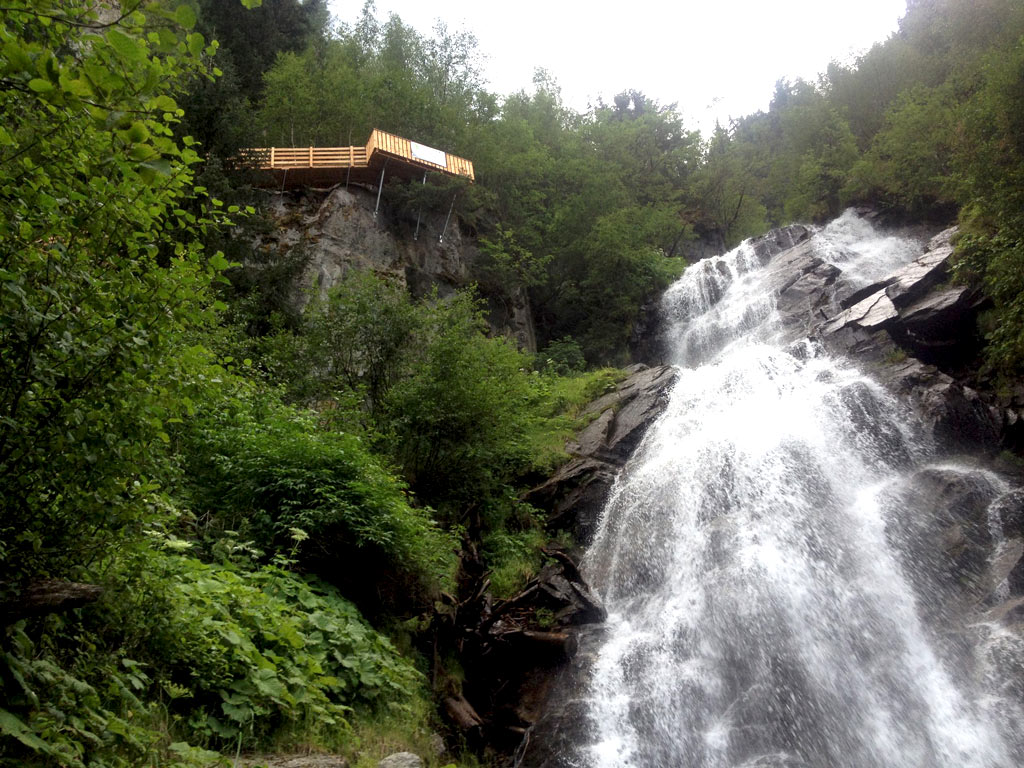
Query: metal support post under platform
419, 213
380, 187
448, 218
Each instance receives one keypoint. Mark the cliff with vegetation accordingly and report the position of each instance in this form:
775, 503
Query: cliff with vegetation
267, 461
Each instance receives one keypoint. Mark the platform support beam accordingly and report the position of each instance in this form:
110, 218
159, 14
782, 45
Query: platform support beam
419, 213
380, 187
448, 218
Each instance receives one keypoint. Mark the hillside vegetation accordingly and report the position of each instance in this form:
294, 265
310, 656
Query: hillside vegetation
227, 525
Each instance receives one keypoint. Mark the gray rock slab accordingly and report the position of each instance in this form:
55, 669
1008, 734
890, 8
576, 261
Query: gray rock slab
920, 276
870, 314
401, 760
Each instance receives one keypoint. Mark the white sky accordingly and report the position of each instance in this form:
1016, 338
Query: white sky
716, 59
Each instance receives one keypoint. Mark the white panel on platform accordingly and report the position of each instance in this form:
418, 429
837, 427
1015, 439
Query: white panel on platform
429, 154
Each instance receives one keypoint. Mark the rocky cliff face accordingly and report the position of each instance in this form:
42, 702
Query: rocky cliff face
338, 233
574, 496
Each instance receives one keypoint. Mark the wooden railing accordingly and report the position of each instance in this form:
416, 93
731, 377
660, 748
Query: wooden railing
267, 158
387, 144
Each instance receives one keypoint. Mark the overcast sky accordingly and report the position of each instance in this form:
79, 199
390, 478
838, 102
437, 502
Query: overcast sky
717, 59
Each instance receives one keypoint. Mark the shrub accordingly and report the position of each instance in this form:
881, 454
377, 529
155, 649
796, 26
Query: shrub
268, 472
456, 423
562, 357
210, 654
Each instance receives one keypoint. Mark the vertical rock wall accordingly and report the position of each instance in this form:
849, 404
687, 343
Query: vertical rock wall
339, 233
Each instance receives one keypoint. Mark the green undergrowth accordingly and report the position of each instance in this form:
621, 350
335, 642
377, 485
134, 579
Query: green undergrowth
516, 556
271, 475
184, 660
560, 412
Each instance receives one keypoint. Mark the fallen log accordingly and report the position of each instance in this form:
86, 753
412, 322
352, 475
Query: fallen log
48, 596
461, 713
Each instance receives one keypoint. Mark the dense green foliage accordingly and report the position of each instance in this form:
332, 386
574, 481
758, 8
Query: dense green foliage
95, 290
214, 652
266, 473
120, 434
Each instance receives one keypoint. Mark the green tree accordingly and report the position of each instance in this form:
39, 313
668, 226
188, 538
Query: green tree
357, 339
456, 424
726, 193
910, 163
990, 162
94, 297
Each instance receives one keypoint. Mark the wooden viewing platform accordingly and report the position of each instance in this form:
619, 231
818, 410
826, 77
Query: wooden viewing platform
384, 155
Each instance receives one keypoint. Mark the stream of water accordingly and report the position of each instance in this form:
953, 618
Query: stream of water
768, 606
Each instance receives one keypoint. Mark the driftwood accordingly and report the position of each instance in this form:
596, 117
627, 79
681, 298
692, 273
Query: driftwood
48, 596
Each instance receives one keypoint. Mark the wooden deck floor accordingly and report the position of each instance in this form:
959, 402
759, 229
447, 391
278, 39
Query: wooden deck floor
320, 166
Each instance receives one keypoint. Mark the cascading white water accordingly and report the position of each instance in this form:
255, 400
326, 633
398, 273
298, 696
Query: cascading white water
767, 604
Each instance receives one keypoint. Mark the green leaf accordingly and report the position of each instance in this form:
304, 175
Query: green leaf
218, 262
129, 47
39, 85
138, 132
12, 726
195, 43
185, 16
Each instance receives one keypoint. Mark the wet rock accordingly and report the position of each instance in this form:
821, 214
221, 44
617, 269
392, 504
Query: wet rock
871, 313
1015, 579
803, 300
942, 324
574, 496
554, 738
1009, 514
924, 273
954, 415
851, 297
1005, 559
906, 329
945, 530
779, 240
517, 648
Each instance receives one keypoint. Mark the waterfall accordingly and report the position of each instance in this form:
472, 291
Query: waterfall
770, 600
